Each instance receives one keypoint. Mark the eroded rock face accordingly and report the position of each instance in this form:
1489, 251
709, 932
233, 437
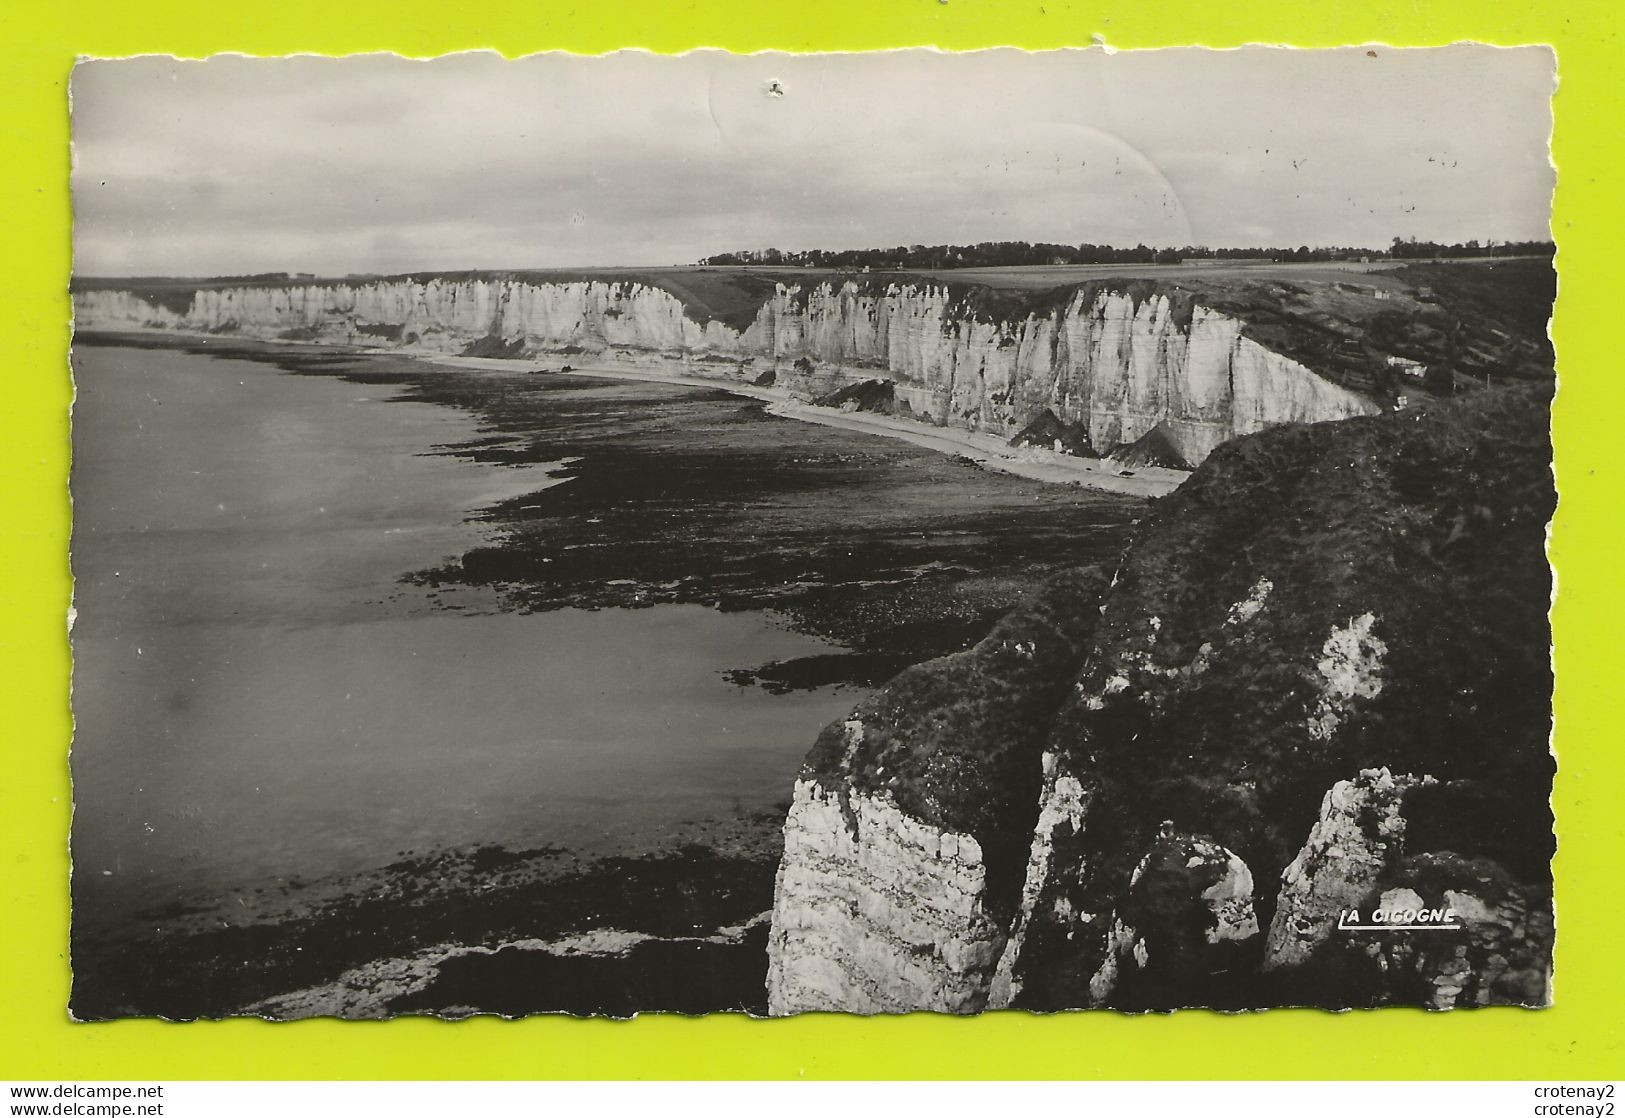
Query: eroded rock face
443, 316
1360, 921
1115, 365
1361, 828
1064, 807
910, 829
876, 912
1318, 680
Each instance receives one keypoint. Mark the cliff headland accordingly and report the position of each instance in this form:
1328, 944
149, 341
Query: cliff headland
1313, 682
1150, 367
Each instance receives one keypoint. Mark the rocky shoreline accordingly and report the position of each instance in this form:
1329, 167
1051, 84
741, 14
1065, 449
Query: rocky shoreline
621, 532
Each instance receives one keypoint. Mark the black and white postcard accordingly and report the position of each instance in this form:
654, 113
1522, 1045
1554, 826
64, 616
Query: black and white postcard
771, 533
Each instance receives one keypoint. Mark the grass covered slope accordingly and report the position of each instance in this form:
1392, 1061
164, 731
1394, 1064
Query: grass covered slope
1480, 322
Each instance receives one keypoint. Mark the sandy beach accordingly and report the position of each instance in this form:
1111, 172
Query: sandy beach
989, 451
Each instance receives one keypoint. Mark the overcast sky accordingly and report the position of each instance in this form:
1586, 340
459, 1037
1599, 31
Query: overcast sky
376, 163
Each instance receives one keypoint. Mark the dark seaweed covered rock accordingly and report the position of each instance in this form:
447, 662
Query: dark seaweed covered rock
867, 395
1154, 448
1046, 432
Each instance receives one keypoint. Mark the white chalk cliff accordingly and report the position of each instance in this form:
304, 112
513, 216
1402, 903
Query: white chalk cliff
1120, 364
877, 912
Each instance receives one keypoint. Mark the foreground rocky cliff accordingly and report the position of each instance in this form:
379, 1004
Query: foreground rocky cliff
1121, 360
1315, 692
911, 822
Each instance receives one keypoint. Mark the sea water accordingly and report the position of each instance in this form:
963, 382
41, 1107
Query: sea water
260, 698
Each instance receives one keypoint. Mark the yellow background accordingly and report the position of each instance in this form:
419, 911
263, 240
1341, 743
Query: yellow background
1580, 1037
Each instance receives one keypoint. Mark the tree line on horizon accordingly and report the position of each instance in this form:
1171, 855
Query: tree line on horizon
1003, 254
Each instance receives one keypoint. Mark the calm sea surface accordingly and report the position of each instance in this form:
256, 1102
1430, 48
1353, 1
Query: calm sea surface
258, 697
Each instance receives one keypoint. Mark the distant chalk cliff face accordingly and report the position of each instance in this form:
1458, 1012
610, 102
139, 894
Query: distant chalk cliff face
1122, 366
1317, 684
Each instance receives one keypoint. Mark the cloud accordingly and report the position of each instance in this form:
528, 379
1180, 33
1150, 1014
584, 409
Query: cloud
376, 163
